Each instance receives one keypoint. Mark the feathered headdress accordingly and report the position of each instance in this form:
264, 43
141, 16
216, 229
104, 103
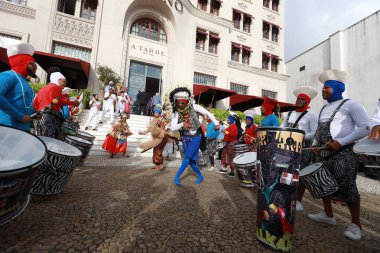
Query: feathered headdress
179, 93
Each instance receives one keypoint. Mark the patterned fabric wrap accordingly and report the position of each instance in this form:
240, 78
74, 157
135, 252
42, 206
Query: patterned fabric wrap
228, 155
50, 125
193, 117
211, 147
158, 159
203, 158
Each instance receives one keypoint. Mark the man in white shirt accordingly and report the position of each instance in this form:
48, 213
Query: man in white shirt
341, 122
92, 120
374, 123
108, 105
306, 121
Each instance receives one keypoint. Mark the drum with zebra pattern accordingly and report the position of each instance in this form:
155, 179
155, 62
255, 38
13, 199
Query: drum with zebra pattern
318, 180
21, 156
69, 127
245, 165
279, 154
240, 149
82, 144
369, 154
58, 167
85, 135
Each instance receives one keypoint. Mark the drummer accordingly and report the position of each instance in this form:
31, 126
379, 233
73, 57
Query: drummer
374, 123
267, 110
306, 121
16, 96
250, 128
51, 123
341, 122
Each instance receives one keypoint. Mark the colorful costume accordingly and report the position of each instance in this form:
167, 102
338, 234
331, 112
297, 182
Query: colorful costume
116, 141
250, 128
230, 136
16, 96
186, 120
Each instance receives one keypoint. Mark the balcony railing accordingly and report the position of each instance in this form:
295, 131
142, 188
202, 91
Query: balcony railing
17, 9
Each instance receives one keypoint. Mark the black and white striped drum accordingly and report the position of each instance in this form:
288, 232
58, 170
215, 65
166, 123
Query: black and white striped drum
245, 165
279, 151
318, 180
82, 144
85, 135
69, 127
21, 155
369, 153
240, 149
57, 168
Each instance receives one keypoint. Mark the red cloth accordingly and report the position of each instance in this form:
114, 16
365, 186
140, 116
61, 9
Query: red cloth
231, 133
308, 99
269, 105
19, 62
251, 132
46, 95
113, 146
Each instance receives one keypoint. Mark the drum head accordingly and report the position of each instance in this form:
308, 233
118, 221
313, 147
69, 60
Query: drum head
84, 133
60, 147
366, 146
78, 139
310, 169
19, 150
245, 158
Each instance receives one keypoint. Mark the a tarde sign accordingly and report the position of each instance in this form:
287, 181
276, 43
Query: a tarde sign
144, 49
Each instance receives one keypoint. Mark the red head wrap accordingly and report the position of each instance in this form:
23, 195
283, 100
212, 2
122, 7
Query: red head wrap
308, 99
269, 105
19, 63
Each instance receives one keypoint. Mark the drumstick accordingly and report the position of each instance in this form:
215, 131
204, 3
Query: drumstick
318, 147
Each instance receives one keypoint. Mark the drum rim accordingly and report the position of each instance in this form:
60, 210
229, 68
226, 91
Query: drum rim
302, 171
33, 165
59, 154
280, 129
70, 137
80, 131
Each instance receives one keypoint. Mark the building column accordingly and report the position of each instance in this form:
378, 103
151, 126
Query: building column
78, 5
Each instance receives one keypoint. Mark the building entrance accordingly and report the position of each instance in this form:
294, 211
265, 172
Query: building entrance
144, 78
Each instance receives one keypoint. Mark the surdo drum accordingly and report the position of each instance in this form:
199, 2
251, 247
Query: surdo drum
318, 180
57, 168
279, 151
369, 153
69, 127
245, 165
240, 149
84, 135
21, 155
83, 145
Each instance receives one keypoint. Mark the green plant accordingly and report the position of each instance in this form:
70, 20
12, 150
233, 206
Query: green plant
106, 74
36, 86
86, 97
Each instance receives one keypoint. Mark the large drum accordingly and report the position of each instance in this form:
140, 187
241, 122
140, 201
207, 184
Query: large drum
245, 165
83, 145
279, 155
21, 155
57, 168
318, 180
240, 149
84, 135
69, 127
369, 153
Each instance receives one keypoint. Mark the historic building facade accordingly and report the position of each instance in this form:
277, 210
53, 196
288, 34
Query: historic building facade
155, 45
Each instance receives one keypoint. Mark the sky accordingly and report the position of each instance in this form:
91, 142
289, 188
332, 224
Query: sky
309, 22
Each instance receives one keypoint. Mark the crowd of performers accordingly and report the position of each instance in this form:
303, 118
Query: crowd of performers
330, 136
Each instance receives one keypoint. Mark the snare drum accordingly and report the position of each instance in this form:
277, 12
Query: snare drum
84, 135
369, 153
69, 127
245, 165
81, 144
21, 155
318, 180
57, 168
240, 149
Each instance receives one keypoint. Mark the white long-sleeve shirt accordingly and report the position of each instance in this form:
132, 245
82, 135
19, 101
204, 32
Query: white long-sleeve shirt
177, 126
349, 123
375, 120
308, 123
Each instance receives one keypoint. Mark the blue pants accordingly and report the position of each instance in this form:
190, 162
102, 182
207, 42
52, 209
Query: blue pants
191, 149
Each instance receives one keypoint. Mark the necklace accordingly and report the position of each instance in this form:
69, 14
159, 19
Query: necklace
23, 92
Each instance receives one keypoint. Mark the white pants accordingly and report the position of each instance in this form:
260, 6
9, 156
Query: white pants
92, 120
108, 107
168, 149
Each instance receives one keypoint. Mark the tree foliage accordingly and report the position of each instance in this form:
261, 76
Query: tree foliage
106, 74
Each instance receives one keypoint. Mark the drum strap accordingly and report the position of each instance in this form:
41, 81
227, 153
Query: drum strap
295, 125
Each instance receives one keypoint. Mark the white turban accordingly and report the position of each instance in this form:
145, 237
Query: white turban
54, 77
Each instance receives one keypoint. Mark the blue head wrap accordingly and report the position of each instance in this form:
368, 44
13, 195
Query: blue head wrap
251, 119
231, 119
337, 87
157, 110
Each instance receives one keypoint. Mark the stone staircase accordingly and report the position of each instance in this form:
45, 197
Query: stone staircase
136, 123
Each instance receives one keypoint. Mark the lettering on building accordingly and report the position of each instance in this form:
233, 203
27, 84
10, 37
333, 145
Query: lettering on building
270, 48
177, 4
147, 50
242, 5
241, 38
271, 17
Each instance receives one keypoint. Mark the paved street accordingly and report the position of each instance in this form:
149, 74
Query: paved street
132, 208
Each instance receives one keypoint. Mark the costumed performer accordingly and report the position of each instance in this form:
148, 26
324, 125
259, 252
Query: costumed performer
186, 120
250, 128
267, 110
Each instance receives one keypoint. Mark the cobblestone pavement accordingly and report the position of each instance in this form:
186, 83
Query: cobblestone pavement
135, 209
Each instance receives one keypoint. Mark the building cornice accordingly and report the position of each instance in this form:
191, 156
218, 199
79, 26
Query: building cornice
258, 71
206, 16
17, 9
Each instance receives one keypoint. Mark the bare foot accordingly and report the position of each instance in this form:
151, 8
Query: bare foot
161, 167
155, 167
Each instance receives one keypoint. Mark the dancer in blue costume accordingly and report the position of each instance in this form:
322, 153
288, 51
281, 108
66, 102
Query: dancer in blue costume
186, 121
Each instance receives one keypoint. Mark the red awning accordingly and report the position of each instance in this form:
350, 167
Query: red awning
272, 24
220, 1
202, 31
247, 49
206, 95
75, 70
214, 35
285, 107
236, 45
243, 102
4, 63
237, 11
276, 57
267, 54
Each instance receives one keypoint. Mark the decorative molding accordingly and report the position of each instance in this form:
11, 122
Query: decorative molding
73, 30
206, 63
255, 70
17, 9
206, 16
271, 17
242, 5
270, 48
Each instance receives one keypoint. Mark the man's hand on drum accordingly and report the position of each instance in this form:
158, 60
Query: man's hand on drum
26, 118
315, 149
375, 133
333, 146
